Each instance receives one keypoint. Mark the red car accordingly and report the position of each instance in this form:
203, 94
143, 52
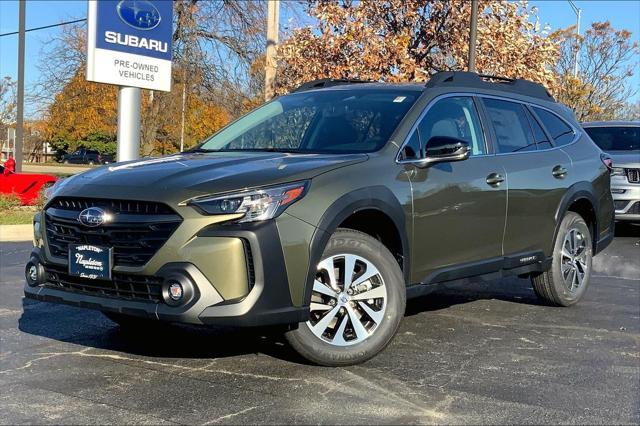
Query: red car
26, 185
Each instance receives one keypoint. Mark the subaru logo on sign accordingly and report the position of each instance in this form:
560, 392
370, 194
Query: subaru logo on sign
93, 216
140, 14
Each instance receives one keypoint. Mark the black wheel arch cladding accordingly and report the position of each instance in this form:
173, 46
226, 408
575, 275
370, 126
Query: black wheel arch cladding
370, 198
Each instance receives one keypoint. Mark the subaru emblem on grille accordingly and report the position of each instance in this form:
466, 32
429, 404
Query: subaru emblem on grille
93, 216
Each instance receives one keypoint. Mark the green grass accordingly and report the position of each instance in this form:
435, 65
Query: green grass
16, 217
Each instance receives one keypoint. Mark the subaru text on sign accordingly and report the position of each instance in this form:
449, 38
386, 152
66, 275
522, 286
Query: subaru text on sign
129, 43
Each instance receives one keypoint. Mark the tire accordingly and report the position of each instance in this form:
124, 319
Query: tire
350, 327
561, 284
133, 324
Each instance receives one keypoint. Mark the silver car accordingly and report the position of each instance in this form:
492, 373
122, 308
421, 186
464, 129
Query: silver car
621, 140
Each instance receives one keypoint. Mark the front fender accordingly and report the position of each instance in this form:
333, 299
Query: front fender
369, 198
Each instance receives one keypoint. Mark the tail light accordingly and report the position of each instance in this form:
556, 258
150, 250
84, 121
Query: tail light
99, 158
607, 161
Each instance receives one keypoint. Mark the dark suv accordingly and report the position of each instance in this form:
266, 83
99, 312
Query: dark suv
325, 209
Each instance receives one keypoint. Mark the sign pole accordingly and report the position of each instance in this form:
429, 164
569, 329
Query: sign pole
128, 123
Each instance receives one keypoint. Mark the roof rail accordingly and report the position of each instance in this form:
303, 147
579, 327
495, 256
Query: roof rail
484, 81
327, 82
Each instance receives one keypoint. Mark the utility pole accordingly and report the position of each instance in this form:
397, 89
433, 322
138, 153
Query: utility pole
273, 25
18, 143
473, 32
184, 105
578, 13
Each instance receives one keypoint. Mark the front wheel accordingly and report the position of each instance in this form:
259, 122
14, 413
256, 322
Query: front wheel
567, 280
357, 302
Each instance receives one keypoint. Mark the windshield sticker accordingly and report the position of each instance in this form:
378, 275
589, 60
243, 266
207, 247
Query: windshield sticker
399, 99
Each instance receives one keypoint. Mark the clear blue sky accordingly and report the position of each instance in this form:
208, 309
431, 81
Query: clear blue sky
556, 13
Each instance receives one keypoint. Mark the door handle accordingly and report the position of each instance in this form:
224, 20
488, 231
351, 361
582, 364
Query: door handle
559, 172
495, 179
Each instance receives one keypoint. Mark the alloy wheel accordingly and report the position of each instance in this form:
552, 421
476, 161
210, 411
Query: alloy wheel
574, 260
348, 300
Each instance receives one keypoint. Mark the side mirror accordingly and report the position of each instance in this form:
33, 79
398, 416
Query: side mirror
442, 149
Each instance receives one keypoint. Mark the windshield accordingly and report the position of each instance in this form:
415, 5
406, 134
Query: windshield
332, 121
616, 138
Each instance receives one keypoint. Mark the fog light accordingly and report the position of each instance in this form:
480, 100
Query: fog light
34, 273
175, 291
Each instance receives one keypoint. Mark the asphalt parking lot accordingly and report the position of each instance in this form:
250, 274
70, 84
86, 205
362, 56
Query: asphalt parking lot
468, 353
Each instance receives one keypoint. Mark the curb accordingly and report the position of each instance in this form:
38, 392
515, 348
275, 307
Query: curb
15, 233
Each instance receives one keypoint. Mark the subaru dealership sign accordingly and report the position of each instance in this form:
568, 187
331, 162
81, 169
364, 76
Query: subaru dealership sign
129, 43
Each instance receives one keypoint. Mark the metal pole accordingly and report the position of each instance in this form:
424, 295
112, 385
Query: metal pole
575, 64
128, 123
273, 17
578, 13
184, 104
18, 142
473, 31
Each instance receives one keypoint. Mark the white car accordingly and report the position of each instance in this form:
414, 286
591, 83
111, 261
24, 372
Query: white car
621, 140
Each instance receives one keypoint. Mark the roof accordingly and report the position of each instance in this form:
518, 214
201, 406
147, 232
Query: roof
612, 123
330, 83
442, 80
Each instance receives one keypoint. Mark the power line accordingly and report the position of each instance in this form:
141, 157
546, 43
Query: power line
45, 27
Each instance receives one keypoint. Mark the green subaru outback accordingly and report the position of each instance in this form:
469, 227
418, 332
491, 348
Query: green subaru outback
325, 209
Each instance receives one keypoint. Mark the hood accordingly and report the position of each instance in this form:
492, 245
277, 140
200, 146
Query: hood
187, 175
626, 159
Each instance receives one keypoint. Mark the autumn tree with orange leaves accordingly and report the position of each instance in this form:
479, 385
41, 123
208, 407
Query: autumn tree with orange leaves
410, 40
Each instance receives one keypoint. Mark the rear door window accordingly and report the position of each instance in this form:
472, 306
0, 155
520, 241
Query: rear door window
511, 126
560, 131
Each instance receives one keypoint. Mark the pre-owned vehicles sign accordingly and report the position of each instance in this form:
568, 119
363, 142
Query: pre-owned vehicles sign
129, 43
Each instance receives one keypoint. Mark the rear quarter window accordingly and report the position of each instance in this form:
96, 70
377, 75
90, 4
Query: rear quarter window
560, 131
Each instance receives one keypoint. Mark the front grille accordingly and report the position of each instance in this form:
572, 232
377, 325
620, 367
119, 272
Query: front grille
136, 233
633, 175
139, 288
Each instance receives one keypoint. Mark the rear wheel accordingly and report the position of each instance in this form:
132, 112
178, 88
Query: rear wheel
567, 280
357, 302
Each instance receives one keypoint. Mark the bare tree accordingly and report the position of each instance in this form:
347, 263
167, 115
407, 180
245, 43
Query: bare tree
607, 61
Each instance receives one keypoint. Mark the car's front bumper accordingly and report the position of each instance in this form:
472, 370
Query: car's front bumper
249, 256
626, 197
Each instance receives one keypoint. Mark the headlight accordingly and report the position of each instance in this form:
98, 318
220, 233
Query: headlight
617, 171
255, 205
